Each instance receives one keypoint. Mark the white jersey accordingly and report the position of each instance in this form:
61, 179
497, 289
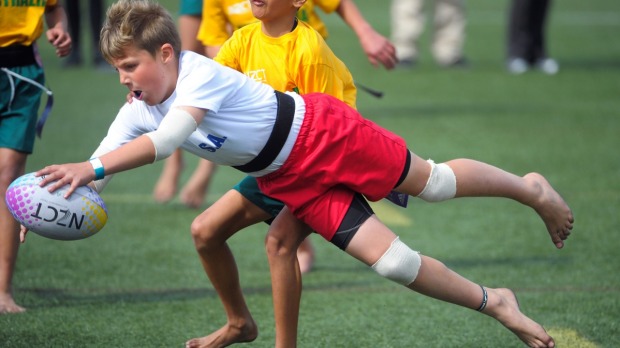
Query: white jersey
240, 117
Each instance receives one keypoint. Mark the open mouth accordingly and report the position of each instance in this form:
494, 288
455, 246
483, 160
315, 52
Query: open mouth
137, 95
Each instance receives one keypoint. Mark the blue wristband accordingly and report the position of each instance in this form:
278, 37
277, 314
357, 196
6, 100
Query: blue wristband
98, 167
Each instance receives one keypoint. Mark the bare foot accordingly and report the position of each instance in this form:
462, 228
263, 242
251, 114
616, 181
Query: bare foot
305, 256
166, 186
225, 336
8, 305
554, 211
504, 307
195, 191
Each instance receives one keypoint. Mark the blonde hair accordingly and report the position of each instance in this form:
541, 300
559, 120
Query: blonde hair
143, 24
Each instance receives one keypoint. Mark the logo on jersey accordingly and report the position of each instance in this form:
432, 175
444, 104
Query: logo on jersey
257, 75
216, 143
239, 8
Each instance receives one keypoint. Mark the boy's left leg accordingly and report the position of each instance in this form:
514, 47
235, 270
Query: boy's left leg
285, 235
210, 231
377, 246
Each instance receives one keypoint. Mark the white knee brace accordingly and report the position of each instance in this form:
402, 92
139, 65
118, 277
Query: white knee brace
441, 184
399, 263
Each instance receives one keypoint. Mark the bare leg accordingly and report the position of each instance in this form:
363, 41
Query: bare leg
166, 186
188, 30
434, 279
285, 235
368, 245
210, 230
478, 179
12, 165
438, 281
305, 256
195, 190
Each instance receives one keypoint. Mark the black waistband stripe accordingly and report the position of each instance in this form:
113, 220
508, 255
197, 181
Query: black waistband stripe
277, 138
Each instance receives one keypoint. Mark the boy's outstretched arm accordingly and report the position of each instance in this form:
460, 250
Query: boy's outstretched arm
178, 125
135, 153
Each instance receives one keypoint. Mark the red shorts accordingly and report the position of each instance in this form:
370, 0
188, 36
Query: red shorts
337, 153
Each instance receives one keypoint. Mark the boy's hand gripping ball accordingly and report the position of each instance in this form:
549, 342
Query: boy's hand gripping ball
51, 215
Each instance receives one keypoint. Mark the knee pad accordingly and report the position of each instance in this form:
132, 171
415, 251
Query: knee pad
399, 263
441, 184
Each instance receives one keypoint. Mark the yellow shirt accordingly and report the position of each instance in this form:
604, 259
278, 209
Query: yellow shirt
298, 61
218, 15
21, 22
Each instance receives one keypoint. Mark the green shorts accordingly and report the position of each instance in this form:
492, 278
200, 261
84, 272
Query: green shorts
191, 8
248, 187
18, 118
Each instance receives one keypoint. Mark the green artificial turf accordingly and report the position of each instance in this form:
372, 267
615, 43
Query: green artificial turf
139, 283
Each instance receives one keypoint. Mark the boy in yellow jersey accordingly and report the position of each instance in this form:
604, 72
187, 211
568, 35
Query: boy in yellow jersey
220, 19
21, 86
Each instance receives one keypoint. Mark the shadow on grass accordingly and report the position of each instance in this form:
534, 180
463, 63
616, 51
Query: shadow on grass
76, 297
53, 297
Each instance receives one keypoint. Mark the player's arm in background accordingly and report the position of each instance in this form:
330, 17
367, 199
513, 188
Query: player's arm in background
57, 33
214, 27
378, 48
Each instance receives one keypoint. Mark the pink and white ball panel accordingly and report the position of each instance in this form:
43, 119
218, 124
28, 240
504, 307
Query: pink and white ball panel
51, 215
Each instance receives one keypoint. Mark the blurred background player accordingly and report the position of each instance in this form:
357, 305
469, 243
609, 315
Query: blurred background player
95, 16
527, 44
219, 19
21, 85
408, 21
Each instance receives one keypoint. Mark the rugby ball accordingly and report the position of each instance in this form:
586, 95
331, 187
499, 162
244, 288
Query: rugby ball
51, 215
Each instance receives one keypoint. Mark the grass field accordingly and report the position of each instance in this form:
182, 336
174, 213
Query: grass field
138, 283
